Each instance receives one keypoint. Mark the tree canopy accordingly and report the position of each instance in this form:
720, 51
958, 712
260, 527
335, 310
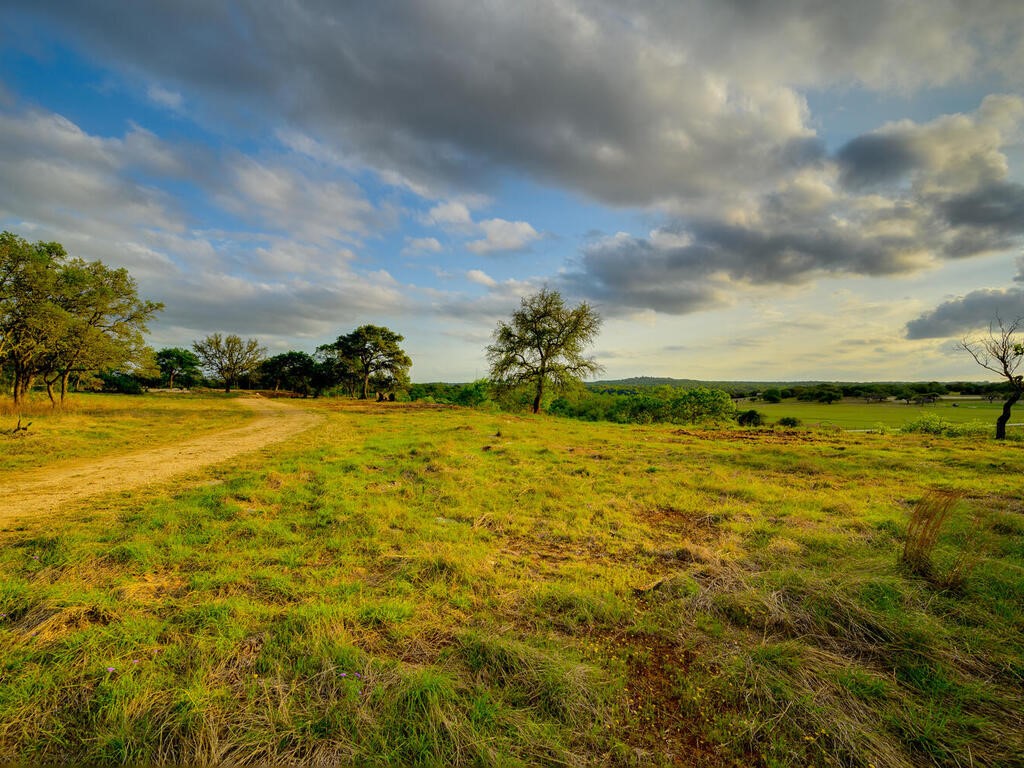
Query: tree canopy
62, 317
177, 364
369, 356
229, 358
542, 346
294, 371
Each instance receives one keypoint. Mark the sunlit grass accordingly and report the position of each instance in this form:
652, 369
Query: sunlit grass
440, 586
93, 425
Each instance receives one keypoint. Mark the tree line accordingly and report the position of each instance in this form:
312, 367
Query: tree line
367, 360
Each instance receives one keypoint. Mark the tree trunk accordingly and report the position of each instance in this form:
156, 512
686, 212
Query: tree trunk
64, 386
1004, 417
227, 386
366, 387
539, 396
49, 392
170, 380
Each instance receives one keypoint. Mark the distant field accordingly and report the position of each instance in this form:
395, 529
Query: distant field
854, 414
410, 585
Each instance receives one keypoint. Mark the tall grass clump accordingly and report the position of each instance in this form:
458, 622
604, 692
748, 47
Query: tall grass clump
930, 513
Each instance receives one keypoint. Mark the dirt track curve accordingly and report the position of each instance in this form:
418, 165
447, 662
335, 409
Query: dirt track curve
49, 489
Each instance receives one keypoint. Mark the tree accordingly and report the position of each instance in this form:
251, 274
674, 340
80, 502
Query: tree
369, 355
543, 345
178, 363
1001, 352
61, 316
229, 357
295, 371
702, 404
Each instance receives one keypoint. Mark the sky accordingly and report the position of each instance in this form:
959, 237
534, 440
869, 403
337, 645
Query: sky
743, 189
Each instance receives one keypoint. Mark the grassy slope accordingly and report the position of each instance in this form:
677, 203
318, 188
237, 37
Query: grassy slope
93, 425
412, 585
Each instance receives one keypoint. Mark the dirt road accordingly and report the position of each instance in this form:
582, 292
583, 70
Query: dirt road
50, 489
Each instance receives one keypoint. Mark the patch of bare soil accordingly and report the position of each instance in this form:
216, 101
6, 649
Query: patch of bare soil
50, 489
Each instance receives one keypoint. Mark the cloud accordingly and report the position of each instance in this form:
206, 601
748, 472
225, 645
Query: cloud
892, 202
481, 278
449, 214
165, 97
314, 209
632, 105
502, 235
875, 159
63, 183
964, 314
417, 245
998, 206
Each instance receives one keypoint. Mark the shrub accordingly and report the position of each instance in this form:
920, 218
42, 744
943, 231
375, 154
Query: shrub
932, 424
750, 418
788, 421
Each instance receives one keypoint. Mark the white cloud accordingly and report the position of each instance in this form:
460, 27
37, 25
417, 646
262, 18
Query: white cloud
315, 209
417, 245
450, 214
481, 278
502, 235
165, 97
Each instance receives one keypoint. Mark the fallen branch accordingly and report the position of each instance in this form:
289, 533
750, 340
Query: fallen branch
14, 432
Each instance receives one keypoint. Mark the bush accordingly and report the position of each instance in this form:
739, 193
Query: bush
788, 421
931, 424
750, 418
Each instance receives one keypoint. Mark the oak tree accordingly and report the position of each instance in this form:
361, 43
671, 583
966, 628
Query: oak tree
229, 358
369, 355
542, 346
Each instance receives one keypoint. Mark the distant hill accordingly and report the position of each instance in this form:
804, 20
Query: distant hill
640, 382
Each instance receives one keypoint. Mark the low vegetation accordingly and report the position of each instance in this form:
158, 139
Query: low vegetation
425, 585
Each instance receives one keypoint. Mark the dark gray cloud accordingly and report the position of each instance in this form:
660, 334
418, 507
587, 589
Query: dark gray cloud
998, 206
876, 159
968, 313
632, 104
703, 273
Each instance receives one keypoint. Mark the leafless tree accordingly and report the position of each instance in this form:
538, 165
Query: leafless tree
1001, 352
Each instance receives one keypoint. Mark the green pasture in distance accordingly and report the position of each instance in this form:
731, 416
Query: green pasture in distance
855, 414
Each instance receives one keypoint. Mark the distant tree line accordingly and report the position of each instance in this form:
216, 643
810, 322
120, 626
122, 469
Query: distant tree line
366, 362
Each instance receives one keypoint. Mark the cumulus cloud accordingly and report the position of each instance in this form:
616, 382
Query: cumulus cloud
481, 278
891, 202
452, 213
311, 208
417, 245
65, 184
631, 105
964, 314
502, 235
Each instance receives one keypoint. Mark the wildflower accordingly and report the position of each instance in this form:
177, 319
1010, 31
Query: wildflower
110, 669
344, 674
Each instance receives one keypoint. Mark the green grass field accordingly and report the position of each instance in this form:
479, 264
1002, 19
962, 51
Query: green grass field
855, 414
437, 586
